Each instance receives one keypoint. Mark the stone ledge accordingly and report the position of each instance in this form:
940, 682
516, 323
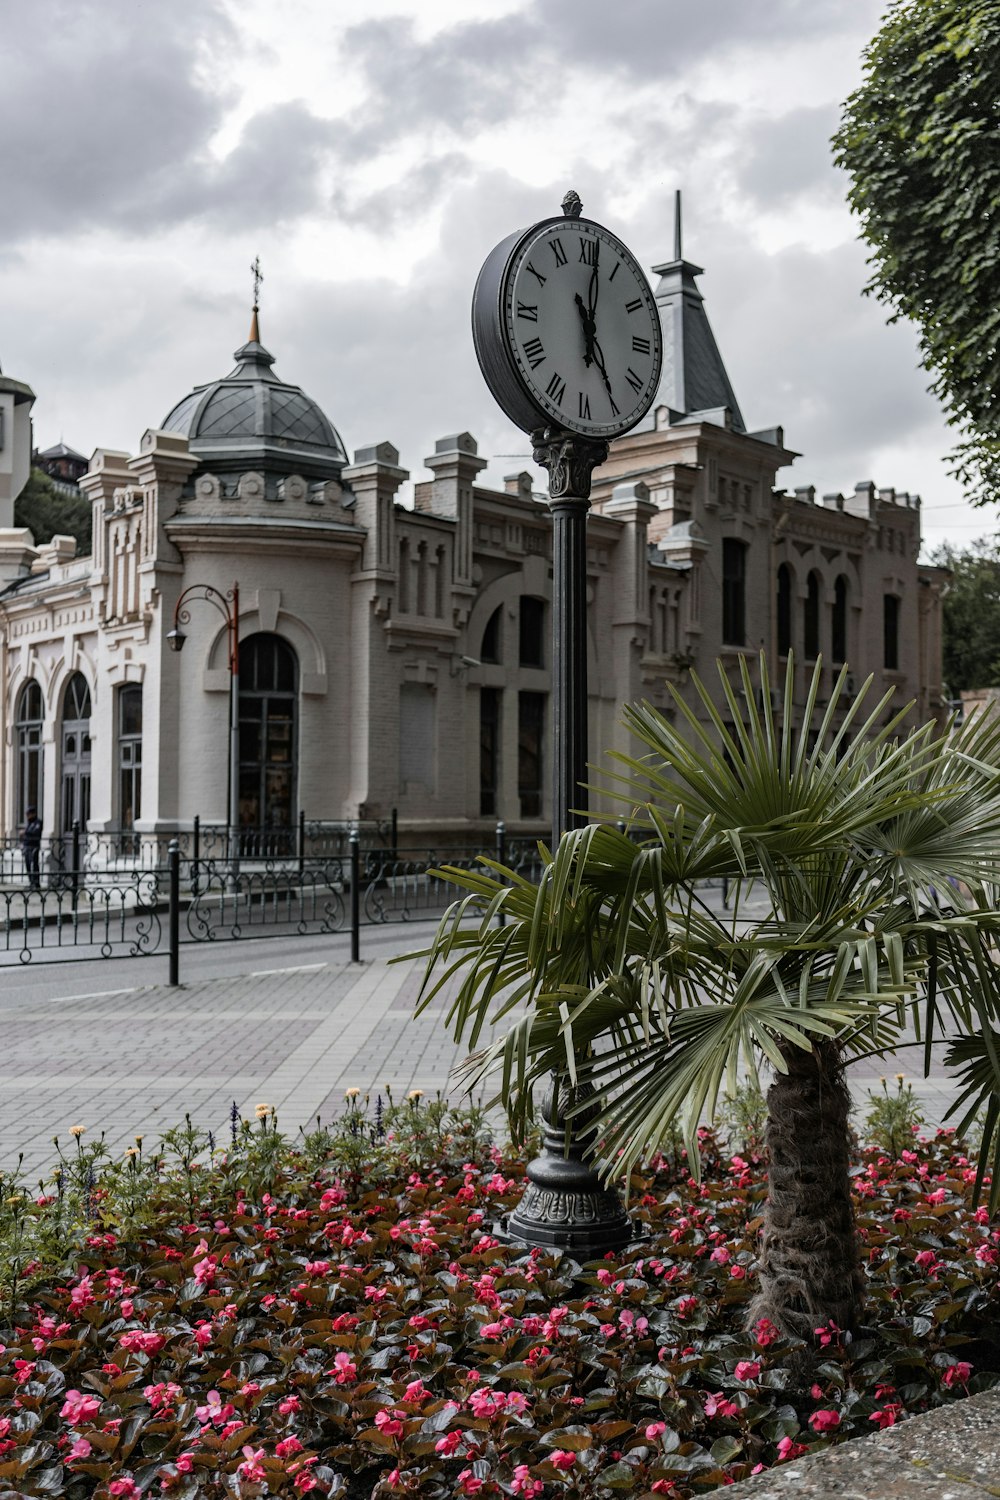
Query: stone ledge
952, 1453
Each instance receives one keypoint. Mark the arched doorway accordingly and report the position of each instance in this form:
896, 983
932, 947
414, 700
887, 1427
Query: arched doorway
29, 721
269, 682
74, 803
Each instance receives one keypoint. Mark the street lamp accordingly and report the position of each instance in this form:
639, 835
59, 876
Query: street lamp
228, 606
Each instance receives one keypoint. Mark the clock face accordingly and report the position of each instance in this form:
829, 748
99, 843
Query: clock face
582, 328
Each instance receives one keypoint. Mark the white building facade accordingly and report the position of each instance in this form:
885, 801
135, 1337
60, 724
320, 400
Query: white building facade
398, 658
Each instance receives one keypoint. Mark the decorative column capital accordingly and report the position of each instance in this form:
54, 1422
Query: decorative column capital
570, 460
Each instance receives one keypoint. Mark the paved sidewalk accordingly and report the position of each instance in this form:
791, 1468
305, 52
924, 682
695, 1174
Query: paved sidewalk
132, 1062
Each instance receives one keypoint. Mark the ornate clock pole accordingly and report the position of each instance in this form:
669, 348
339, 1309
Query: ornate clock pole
568, 339
570, 462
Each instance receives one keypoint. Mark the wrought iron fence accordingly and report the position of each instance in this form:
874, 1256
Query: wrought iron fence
130, 905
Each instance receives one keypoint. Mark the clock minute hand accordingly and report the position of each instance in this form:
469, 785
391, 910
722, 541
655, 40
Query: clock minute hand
589, 330
598, 354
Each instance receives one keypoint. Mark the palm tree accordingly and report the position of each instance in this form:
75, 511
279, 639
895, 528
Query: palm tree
877, 854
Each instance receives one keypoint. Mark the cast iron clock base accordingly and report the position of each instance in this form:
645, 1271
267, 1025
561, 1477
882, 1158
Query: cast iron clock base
565, 1206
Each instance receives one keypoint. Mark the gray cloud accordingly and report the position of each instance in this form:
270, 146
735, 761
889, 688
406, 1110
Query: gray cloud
272, 174
103, 99
783, 157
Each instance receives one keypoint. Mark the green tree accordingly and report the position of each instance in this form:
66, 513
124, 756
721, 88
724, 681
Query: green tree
47, 512
615, 968
971, 615
918, 139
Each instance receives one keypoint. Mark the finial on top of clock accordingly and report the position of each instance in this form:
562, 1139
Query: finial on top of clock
572, 205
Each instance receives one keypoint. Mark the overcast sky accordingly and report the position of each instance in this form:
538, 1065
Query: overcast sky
373, 151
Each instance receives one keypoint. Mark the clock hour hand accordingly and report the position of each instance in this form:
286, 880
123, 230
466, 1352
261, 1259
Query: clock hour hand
589, 330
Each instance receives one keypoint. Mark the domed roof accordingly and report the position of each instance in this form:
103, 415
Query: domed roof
252, 420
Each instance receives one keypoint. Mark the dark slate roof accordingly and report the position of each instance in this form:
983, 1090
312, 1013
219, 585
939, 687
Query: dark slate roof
253, 420
61, 450
694, 378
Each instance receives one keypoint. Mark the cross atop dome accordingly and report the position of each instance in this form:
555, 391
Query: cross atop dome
258, 277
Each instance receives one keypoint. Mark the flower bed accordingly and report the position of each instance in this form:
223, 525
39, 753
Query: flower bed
336, 1316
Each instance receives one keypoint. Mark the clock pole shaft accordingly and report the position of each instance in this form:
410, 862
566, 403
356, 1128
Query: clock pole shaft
570, 462
569, 663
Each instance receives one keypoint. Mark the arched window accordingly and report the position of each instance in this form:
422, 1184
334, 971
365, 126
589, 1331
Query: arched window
75, 746
811, 621
784, 610
838, 644
734, 591
489, 650
28, 722
890, 632
129, 763
269, 682
531, 635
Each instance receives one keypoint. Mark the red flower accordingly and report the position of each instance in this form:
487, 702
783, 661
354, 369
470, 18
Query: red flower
957, 1374
824, 1421
560, 1459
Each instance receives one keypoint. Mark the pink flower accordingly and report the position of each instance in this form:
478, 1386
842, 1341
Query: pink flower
214, 1410
289, 1405
523, 1484
957, 1374
304, 1481
686, 1305
388, 1423
789, 1448
560, 1459
888, 1415
80, 1449
251, 1467
487, 1403
720, 1255
824, 1421
138, 1341
828, 1334
78, 1408
747, 1369
716, 1405
448, 1444
938, 1196
926, 1260
288, 1447
655, 1430
765, 1332
125, 1489
344, 1368
468, 1483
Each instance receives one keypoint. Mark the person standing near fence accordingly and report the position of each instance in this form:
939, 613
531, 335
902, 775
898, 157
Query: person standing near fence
31, 843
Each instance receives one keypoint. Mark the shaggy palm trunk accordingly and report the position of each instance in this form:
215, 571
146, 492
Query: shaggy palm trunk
810, 1269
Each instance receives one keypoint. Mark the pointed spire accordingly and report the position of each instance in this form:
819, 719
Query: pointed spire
694, 378
254, 327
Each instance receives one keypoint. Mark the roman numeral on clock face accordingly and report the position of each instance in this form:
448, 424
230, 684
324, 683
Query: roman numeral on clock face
537, 274
557, 250
634, 380
556, 389
529, 311
614, 273
640, 346
588, 252
583, 407
634, 305
534, 353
